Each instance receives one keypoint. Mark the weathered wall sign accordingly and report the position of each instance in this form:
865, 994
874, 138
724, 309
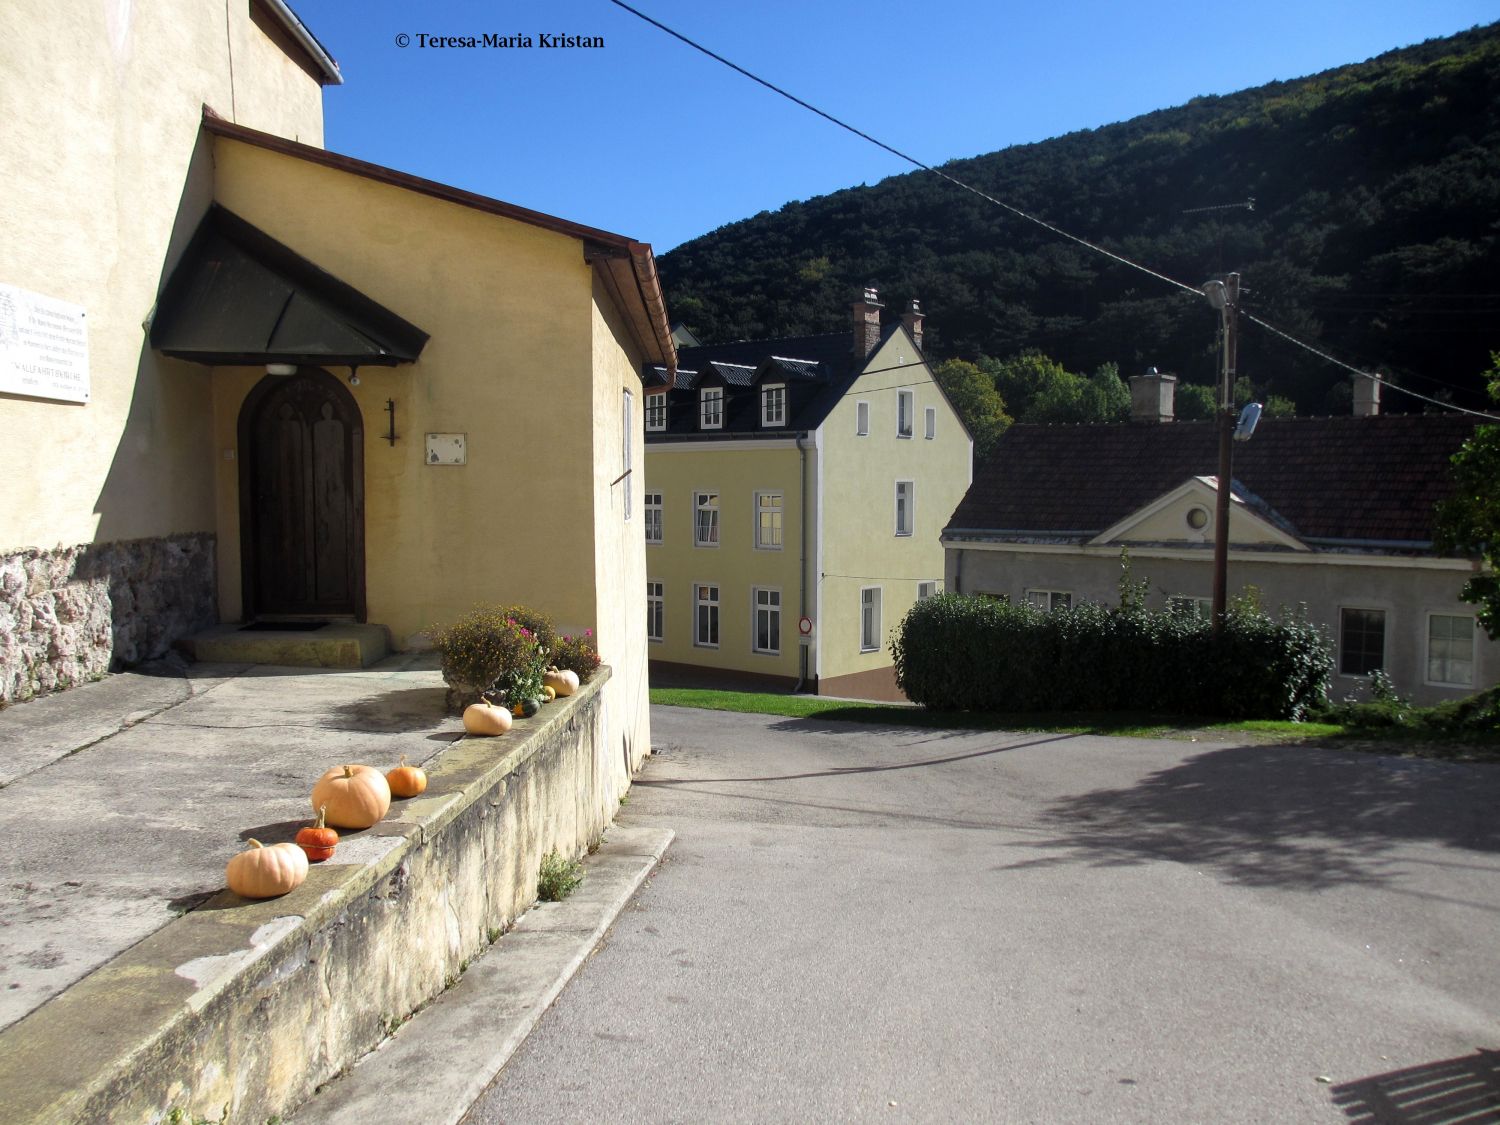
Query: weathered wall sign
44, 346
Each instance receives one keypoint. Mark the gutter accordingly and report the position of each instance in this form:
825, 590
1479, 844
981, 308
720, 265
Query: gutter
305, 39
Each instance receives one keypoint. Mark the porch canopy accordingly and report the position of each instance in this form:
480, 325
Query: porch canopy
239, 298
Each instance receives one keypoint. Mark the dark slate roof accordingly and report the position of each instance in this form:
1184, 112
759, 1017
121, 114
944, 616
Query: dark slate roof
818, 370
1357, 479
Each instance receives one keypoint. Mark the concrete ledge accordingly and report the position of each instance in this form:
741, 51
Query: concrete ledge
241, 1009
332, 646
464, 1039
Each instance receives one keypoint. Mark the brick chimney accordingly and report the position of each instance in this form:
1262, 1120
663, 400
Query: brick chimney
1151, 396
866, 315
1366, 396
912, 318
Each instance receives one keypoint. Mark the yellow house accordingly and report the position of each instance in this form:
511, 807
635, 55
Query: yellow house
795, 491
243, 379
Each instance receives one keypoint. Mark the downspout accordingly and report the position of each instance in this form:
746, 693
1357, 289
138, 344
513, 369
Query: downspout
802, 569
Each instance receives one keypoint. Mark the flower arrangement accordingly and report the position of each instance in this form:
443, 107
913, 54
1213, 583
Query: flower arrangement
577, 654
495, 650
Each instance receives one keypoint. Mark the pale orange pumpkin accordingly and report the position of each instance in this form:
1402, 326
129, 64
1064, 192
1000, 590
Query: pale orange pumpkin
485, 718
356, 796
564, 682
405, 780
261, 872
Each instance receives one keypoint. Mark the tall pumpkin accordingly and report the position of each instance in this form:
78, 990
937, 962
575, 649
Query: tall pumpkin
356, 796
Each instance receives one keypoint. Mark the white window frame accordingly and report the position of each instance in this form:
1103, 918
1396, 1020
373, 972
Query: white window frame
1385, 639
651, 501
701, 503
911, 509
869, 638
768, 417
905, 413
929, 416
656, 412
779, 508
1202, 607
1050, 596
1427, 651
756, 609
861, 419
656, 611
714, 396
926, 590
627, 450
711, 603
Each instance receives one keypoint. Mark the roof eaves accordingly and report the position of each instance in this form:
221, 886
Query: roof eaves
292, 24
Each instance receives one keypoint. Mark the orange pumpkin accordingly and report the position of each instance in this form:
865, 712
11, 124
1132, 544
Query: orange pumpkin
564, 682
356, 796
405, 780
485, 718
261, 872
318, 840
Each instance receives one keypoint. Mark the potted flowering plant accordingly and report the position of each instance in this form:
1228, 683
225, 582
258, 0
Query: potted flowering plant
493, 651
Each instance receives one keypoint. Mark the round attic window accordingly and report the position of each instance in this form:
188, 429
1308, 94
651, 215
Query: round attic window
1197, 518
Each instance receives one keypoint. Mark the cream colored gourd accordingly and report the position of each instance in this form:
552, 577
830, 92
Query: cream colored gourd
564, 682
261, 872
486, 719
356, 796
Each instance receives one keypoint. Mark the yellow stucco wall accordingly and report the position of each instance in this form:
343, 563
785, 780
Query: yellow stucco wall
509, 364
104, 171
859, 544
737, 471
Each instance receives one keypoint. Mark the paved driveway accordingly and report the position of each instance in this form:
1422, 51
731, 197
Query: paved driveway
859, 923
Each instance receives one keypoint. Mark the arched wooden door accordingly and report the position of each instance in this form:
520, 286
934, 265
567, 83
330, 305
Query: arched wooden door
302, 499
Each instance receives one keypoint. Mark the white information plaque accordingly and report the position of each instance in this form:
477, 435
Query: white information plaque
44, 346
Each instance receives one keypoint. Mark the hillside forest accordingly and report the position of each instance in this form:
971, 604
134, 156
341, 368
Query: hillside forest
1360, 206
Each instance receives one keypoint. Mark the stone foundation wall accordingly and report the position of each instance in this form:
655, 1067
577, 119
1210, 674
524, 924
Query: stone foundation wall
71, 614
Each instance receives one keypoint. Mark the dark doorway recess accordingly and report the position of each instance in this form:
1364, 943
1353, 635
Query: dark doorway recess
302, 524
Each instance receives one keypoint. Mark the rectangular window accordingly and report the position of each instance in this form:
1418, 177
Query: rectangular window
706, 614
930, 415
926, 590
869, 619
627, 451
903, 413
906, 498
1450, 649
711, 408
1190, 606
705, 519
773, 405
862, 418
653, 517
766, 635
1361, 641
656, 411
768, 507
1050, 599
655, 604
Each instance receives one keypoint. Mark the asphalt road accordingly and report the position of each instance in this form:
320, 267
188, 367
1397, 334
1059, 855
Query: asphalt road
869, 924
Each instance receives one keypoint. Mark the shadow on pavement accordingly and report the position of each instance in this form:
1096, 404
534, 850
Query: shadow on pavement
1458, 1090
1289, 816
394, 712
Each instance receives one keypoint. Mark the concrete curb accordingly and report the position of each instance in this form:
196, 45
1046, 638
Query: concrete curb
439, 1063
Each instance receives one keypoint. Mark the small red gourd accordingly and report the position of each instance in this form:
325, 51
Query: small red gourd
405, 780
318, 840
261, 872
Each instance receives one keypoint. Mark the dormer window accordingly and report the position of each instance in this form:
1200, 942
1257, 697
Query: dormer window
656, 411
711, 408
773, 404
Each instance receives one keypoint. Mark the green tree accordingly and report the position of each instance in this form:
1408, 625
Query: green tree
1195, 402
973, 395
1469, 522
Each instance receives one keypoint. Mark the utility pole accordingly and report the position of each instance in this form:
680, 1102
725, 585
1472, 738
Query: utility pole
1224, 296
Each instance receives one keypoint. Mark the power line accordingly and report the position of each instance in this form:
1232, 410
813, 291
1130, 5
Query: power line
912, 160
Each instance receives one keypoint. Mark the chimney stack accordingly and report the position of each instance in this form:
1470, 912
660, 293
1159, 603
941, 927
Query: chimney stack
866, 314
912, 318
1366, 396
1151, 396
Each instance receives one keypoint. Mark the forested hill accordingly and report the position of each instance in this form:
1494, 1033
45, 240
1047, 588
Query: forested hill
1374, 233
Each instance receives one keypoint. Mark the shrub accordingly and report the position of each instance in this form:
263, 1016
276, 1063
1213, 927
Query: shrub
495, 649
576, 654
957, 652
558, 877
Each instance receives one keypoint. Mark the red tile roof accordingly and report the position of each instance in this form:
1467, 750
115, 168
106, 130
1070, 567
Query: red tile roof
1330, 478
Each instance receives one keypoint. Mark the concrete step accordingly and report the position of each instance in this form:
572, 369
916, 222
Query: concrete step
331, 646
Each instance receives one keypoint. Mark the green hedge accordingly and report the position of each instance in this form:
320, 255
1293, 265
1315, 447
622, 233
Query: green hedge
961, 653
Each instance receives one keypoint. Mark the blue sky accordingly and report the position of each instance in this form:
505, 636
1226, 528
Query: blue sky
648, 138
